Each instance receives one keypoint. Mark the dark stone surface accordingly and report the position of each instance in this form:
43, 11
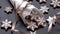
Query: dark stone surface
20, 26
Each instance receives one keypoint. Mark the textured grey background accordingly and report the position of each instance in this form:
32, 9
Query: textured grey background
20, 26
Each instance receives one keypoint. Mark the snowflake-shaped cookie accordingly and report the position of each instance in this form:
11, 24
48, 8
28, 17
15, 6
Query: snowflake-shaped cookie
6, 24
41, 21
32, 26
8, 9
55, 3
51, 19
44, 9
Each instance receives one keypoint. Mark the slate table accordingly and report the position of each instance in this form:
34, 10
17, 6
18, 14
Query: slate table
20, 25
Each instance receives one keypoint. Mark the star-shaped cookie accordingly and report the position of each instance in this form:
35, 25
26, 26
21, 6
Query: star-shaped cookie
8, 9
55, 3
44, 9
32, 26
6, 24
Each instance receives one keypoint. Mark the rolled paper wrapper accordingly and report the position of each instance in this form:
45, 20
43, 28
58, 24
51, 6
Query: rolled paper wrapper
27, 10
